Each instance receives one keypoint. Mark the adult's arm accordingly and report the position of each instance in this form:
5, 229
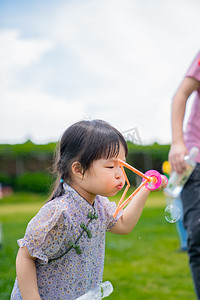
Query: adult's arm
178, 149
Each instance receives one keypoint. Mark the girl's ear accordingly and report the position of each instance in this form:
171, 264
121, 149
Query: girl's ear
77, 169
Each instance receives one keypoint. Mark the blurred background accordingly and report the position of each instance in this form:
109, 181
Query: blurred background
64, 61
120, 61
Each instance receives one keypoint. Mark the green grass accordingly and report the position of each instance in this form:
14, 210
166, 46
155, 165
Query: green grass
142, 265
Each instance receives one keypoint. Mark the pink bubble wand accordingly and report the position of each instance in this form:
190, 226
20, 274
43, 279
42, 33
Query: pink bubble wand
151, 180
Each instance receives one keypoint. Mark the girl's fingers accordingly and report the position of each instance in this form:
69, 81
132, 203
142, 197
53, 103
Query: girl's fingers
164, 182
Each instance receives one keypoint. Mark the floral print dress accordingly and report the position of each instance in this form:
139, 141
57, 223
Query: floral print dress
68, 238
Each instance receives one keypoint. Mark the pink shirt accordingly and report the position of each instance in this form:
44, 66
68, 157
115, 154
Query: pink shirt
192, 133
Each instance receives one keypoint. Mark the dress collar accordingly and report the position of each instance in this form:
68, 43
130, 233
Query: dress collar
80, 200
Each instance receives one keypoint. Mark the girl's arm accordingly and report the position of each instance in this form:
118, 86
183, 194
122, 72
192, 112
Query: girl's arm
26, 275
133, 211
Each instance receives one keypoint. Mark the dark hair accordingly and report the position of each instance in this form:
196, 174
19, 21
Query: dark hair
85, 141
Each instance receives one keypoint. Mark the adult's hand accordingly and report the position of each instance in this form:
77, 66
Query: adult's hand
176, 157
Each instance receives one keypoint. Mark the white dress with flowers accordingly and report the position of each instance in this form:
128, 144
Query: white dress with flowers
68, 238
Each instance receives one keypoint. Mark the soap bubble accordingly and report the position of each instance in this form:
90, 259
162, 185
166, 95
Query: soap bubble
172, 213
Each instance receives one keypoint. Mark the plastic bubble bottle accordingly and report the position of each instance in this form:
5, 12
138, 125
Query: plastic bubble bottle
99, 292
177, 181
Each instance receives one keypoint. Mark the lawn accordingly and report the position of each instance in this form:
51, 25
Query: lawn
142, 265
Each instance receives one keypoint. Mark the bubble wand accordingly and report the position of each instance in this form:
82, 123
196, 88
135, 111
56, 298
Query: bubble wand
151, 180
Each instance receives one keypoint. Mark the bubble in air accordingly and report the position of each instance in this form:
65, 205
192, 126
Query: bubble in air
172, 213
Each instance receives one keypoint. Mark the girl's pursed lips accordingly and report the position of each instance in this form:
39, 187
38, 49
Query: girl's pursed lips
120, 186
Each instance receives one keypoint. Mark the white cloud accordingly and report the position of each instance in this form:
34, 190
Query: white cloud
29, 112
136, 52
115, 38
36, 115
137, 49
17, 53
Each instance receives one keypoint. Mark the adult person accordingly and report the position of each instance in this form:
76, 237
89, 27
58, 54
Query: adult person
182, 142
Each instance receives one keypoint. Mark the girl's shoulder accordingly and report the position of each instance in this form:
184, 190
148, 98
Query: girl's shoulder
56, 206
106, 209
56, 211
103, 203
102, 200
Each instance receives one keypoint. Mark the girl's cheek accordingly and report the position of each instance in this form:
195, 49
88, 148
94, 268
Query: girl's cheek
123, 180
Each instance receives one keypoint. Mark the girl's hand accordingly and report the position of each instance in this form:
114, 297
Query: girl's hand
164, 183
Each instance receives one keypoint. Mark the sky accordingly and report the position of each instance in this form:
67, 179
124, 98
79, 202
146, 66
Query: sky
116, 60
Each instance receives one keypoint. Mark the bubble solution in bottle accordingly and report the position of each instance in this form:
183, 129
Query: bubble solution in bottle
177, 181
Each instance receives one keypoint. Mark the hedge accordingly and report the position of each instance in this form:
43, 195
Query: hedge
38, 179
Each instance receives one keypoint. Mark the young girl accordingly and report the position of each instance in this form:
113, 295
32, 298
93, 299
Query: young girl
62, 253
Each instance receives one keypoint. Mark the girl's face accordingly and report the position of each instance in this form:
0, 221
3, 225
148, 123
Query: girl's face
104, 178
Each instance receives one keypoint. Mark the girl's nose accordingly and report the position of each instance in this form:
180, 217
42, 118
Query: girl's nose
119, 174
